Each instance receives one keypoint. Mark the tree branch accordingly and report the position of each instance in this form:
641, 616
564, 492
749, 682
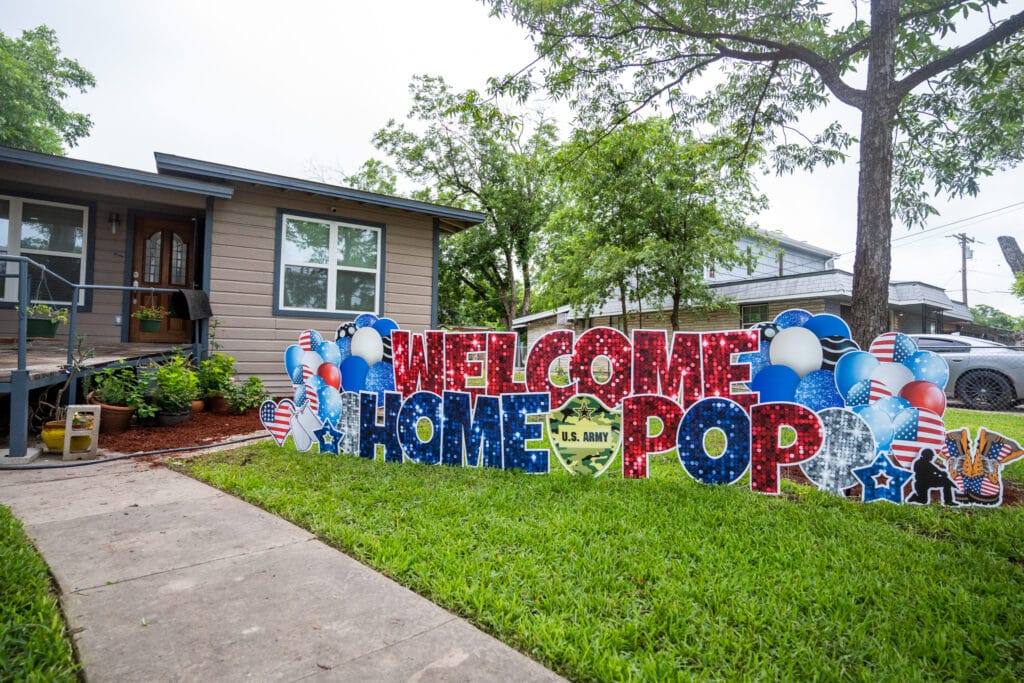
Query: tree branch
961, 54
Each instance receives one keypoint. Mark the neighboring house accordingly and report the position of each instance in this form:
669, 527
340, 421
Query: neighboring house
793, 275
275, 255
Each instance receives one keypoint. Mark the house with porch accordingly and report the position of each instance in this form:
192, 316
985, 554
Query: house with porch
249, 256
789, 274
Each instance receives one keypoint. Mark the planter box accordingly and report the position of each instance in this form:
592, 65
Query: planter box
41, 328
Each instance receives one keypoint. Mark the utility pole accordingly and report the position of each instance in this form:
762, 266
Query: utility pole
965, 253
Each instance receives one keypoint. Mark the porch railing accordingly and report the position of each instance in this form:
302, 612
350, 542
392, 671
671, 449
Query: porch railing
20, 377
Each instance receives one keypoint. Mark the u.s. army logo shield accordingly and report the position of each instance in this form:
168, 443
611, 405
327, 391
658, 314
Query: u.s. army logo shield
585, 435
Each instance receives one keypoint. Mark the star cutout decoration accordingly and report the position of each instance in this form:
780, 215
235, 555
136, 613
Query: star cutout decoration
585, 411
882, 470
329, 438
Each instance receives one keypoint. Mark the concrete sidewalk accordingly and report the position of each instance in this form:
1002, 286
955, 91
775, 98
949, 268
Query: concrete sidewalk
165, 578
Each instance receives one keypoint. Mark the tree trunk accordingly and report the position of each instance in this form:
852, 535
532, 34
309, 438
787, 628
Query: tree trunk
873, 262
624, 299
676, 298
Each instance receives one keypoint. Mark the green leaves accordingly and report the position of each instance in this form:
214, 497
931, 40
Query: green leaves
34, 79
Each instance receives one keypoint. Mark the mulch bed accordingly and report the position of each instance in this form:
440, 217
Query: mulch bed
204, 429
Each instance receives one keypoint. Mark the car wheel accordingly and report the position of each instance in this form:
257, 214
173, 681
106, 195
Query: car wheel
985, 390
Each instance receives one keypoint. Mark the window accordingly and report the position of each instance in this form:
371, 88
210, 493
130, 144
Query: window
51, 234
329, 266
752, 314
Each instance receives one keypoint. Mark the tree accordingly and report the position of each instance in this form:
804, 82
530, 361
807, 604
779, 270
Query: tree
648, 211
34, 80
931, 108
993, 317
475, 155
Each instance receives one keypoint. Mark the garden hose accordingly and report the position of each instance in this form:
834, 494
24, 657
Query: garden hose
83, 463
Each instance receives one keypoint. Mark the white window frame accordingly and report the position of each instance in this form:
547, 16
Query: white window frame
9, 289
331, 265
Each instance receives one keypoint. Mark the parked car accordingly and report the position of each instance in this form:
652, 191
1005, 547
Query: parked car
984, 375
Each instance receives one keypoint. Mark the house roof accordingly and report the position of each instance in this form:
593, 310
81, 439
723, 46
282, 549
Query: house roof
118, 173
828, 284
171, 165
787, 242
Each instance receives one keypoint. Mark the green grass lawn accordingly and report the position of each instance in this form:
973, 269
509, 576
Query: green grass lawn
612, 579
34, 645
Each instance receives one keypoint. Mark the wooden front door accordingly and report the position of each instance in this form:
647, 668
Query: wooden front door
164, 256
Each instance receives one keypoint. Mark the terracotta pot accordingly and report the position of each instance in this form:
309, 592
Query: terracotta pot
113, 419
53, 437
170, 419
218, 404
198, 406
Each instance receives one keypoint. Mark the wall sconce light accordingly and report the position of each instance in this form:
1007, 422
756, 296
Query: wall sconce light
115, 220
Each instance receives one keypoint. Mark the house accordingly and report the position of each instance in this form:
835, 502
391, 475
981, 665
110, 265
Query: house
793, 274
273, 255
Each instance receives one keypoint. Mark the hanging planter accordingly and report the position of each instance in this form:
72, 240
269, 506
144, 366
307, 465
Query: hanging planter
149, 325
43, 321
150, 318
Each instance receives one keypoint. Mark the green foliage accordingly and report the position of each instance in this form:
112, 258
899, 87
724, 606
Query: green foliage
149, 313
34, 644
1017, 289
667, 579
34, 80
647, 211
938, 110
46, 312
244, 395
993, 317
216, 374
176, 384
373, 176
477, 156
117, 385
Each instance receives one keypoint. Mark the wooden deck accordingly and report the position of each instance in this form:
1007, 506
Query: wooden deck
47, 358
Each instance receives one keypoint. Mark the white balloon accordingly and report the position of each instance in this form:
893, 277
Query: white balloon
893, 375
312, 360
367, 344
798, 349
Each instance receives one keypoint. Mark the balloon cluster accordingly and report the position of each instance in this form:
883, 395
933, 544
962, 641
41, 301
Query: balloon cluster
899, 391
358, 359
797, 358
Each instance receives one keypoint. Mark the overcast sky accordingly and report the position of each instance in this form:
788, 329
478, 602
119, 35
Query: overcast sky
284, 87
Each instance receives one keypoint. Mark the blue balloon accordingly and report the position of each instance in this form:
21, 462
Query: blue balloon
817, 390
353, 373
892, 405
852, 368
776, 383
344, 345
794, 317
316, 382
929, 367
380, 378
293, 359
880, 424
315, 339
366, 320
299, 399
385, 326
859, 394
828, 325
758, 360
330, 404
329, 352
296, 376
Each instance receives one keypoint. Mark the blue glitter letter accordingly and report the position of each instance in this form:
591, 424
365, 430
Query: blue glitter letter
421, 404
471, 430
516, 431
712, 413
371, 434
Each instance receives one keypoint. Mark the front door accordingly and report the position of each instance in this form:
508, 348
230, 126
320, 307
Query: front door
164, 256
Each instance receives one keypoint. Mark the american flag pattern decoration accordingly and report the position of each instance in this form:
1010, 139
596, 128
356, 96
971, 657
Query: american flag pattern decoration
878, 391
892, 347
306, 340
976, 466
916, 429
312, 399
277, 418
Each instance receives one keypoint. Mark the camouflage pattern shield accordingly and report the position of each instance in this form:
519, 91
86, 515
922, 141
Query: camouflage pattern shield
585, 435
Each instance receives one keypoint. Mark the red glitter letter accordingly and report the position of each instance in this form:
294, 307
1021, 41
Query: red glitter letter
766, 452
719, 371
637, 442
654, 372
416, 370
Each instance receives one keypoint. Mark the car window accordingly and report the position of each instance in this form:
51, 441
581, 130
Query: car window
942, 345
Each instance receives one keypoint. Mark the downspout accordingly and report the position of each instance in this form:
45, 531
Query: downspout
201, 345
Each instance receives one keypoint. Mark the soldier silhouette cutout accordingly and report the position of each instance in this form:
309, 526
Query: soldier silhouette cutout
928, 476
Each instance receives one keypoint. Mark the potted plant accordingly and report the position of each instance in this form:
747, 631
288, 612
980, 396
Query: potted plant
242, 396
43, 320
116, 390
53, 433
176, 388
149, 317
215, 376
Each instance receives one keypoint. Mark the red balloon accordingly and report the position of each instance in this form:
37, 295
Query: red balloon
925, 395
330, 374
